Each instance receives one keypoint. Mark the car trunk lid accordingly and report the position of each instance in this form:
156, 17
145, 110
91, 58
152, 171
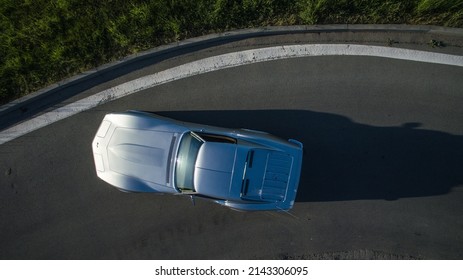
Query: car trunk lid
266, 175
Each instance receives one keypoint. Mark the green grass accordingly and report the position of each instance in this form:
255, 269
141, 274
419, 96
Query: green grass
44, 41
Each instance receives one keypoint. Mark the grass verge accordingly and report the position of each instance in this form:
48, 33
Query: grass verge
44, 41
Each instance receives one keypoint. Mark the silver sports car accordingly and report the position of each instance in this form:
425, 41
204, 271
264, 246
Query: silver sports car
243, 169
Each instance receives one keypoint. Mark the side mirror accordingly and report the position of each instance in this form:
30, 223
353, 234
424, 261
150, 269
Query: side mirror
192, 198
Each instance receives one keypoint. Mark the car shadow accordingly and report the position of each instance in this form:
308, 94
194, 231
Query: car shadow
344, 160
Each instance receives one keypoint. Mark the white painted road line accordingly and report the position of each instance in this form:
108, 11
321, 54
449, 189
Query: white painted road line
221, 62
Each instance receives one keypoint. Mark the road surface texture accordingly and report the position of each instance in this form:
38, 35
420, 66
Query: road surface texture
382, 173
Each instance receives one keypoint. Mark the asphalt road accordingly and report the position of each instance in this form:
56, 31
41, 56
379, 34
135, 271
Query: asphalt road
382, 174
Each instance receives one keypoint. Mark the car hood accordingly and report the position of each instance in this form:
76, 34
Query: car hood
143, 154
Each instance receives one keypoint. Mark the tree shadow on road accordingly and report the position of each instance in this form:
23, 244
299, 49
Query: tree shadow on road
345, 160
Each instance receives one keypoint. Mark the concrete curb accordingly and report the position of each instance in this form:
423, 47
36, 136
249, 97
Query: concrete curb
218, 38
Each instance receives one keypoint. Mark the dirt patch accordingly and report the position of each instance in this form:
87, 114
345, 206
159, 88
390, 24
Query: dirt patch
362, 254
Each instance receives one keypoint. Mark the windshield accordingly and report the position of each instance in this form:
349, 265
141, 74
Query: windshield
185, 162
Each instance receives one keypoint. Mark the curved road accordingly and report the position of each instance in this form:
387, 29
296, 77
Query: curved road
382, 175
